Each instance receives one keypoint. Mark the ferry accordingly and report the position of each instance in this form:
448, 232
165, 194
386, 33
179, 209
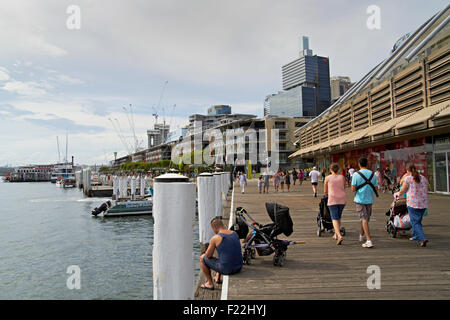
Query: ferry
62, 170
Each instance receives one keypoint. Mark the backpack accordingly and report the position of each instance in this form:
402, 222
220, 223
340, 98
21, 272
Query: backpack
367, 181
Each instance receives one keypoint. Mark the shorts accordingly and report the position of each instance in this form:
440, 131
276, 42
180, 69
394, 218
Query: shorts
336, 211
314, 183
213, 264
364, 210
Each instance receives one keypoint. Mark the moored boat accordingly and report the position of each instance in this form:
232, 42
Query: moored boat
124, 208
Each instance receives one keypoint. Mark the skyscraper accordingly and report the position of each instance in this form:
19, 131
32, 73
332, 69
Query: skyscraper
306, 85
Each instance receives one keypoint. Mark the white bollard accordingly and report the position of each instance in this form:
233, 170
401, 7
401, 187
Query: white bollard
218, 194
173, 212
133, 188
124, 187
206, 206
115, 187
224, 186
142, 186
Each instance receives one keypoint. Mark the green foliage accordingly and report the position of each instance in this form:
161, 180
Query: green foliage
105, 170
145, 166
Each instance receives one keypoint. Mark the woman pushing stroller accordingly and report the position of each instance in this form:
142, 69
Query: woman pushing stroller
415, 186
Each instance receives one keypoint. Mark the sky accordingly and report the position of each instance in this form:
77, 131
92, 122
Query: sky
56, 80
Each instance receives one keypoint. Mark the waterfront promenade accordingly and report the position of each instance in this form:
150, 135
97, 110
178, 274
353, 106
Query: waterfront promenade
319, 269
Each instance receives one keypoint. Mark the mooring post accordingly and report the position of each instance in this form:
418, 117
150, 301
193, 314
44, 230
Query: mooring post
173, 212
115, 187
218, 193
206, 208
142, 186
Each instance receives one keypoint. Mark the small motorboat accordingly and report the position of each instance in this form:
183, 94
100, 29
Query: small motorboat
68, 183
59, 182
125, 208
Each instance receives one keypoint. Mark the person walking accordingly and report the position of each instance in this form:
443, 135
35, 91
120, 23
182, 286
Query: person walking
334, 188
351, 171
314, 174
415, 186
260, 184
379, 176
288, 180
324, 173
266, 183
276, 181
300, 176
243, 182
294, 175
364, 185
282, 180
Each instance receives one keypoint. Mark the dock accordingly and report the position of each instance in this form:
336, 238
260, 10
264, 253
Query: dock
319, 269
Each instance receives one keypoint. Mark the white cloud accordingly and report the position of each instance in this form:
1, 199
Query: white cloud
4, 74
28, 88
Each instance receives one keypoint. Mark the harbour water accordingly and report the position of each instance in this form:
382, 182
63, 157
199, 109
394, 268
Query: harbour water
44, 230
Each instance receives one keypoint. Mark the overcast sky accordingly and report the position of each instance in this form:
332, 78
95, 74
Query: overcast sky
54, 80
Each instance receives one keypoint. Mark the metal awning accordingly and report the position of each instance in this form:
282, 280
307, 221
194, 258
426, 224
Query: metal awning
388, 125
358, 134
444, 112
299, 152
423, 115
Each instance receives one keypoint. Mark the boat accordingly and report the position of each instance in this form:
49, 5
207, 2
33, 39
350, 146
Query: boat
62, 171
68, 183
59, 182
124, 208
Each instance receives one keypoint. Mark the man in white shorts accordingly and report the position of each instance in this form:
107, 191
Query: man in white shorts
314, 174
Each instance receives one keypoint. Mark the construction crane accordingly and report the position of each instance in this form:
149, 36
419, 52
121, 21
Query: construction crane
156, 110
132, 126
59, 153
120, 135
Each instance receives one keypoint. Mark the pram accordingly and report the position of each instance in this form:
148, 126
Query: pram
263, 238
398, 218
324, 221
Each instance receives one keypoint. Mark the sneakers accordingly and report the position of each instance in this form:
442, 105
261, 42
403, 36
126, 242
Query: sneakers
362, 238
367, 244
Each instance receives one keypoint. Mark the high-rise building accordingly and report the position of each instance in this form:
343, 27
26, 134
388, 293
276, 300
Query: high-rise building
339, 86
306, 85
219, 109
158, 135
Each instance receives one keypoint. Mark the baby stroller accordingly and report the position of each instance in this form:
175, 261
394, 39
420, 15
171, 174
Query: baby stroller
263, 238
398, 218
324, 221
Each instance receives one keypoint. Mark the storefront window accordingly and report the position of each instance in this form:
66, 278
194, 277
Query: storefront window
392, 157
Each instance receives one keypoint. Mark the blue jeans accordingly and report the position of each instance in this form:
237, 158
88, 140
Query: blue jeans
336, 211
415, 216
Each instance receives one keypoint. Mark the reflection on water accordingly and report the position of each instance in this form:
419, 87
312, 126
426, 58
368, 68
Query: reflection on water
45, 229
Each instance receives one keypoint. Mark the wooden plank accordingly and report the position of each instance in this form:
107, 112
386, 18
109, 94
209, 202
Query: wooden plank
321, 270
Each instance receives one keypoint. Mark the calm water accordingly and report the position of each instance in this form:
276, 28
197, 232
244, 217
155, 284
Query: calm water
45, 229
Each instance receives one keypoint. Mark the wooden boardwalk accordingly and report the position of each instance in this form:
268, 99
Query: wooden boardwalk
321, 270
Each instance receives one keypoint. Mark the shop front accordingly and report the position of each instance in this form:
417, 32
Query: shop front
393, 158
441, 161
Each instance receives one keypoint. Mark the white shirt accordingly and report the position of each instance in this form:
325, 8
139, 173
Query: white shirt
242, 178
351, 171
314, 176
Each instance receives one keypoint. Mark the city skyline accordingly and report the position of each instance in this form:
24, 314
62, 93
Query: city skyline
55, 80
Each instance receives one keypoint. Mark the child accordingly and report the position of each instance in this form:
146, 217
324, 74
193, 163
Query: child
260, 184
